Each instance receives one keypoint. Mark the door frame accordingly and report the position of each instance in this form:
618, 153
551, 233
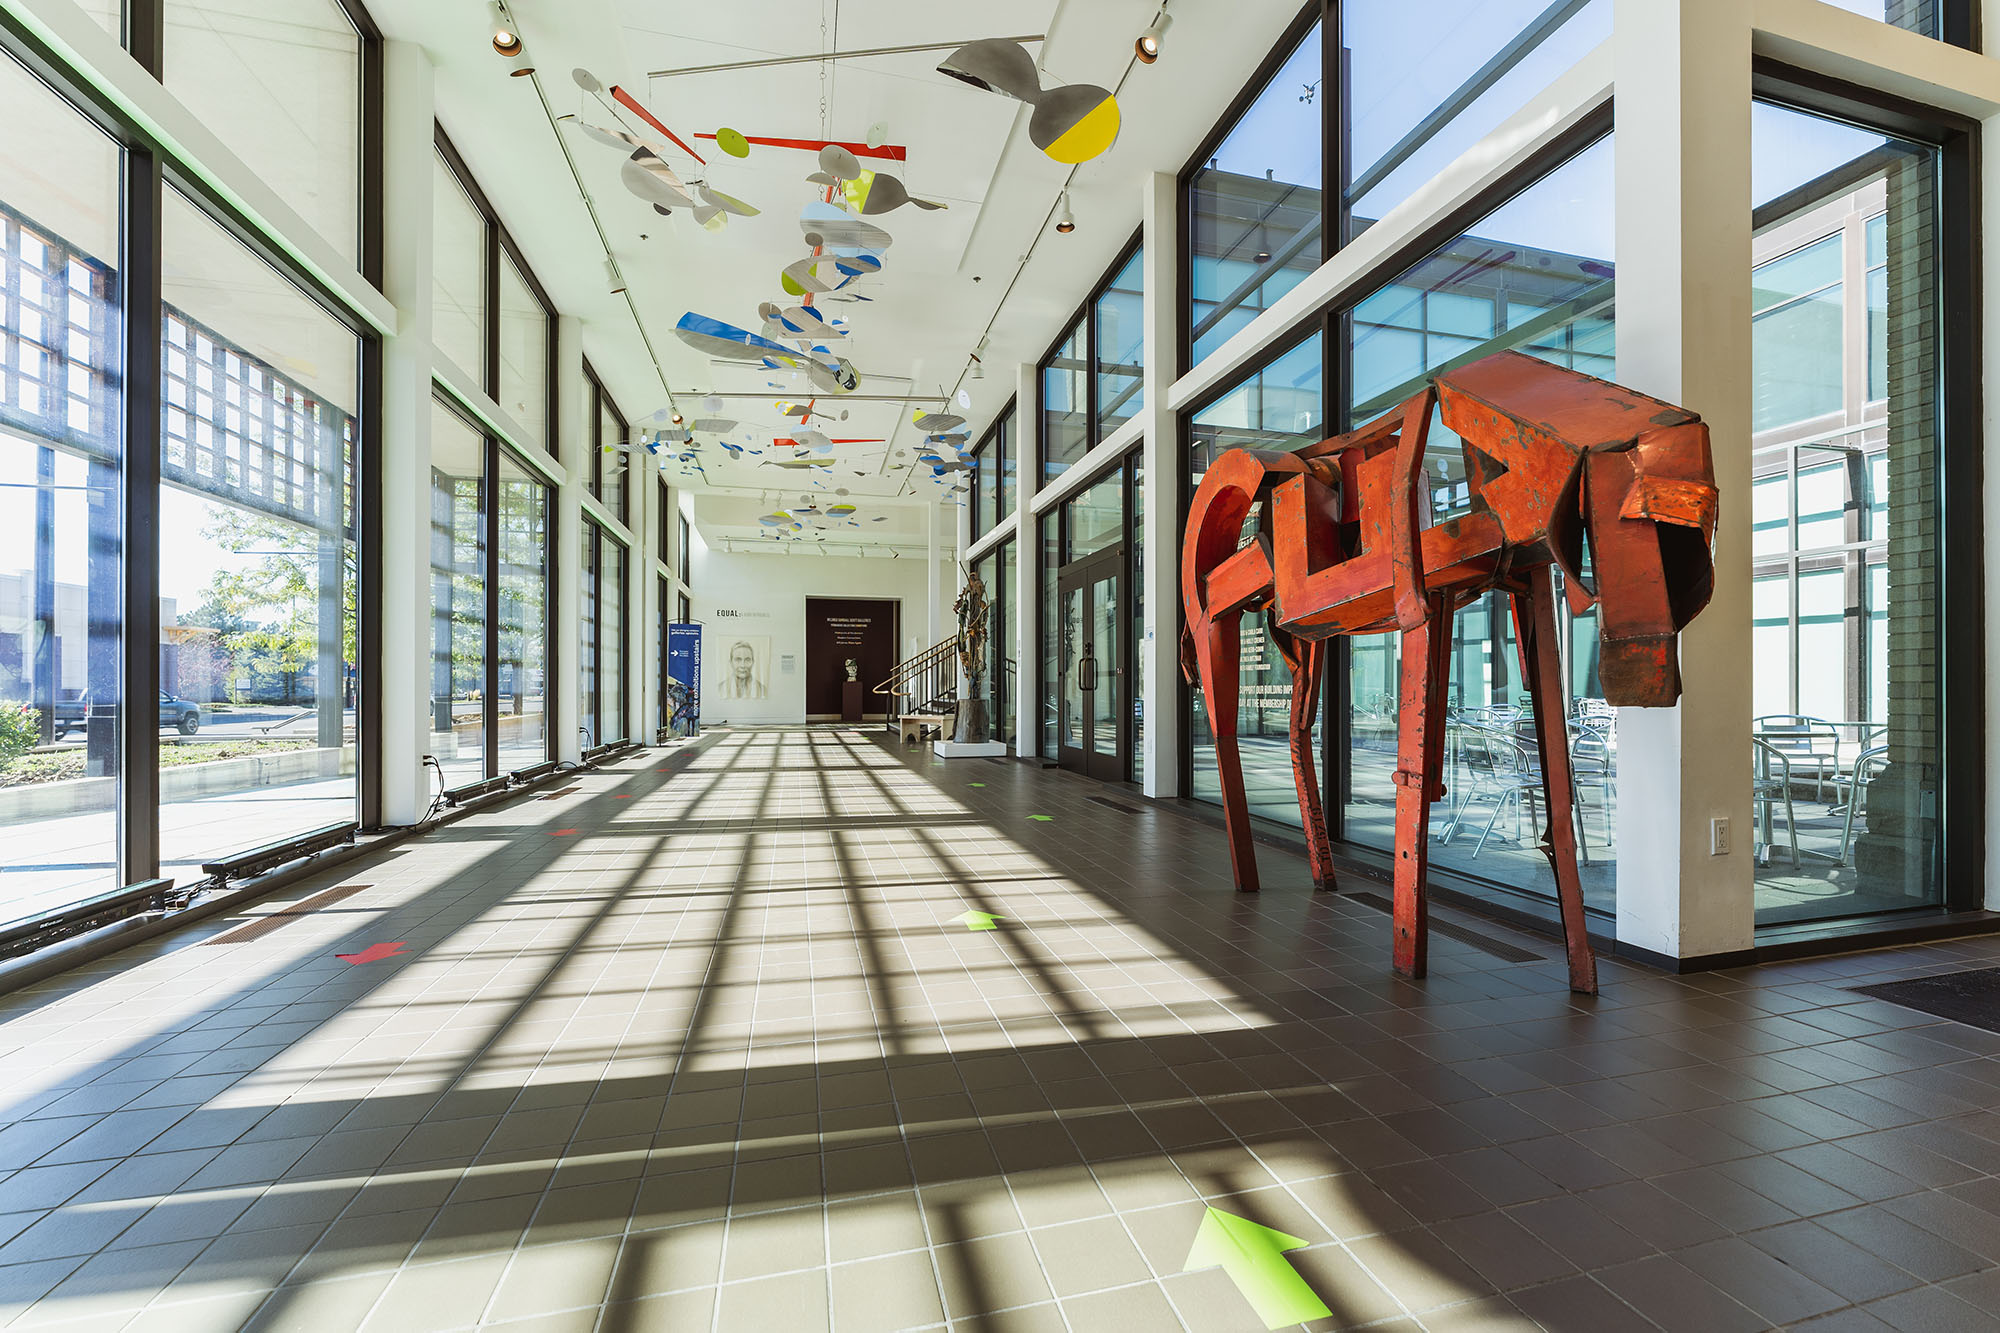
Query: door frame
1107, 565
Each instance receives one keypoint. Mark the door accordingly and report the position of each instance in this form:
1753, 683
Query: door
1091, 686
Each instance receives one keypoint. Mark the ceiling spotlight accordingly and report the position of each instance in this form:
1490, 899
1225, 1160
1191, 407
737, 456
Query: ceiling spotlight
677, 418
1065, 220
1147, 48
614, 281
978, 369
505, 40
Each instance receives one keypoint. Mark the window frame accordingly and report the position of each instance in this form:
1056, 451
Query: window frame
601, 402
1084, 317
499, 239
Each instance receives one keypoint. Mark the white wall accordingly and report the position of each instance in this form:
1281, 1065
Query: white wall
766, 595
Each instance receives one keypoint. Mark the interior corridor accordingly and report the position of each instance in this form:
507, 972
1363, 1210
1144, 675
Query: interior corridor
709, 1041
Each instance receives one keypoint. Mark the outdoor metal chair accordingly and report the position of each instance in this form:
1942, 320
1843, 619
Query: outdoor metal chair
1768, 790
1856, 782
1808, 743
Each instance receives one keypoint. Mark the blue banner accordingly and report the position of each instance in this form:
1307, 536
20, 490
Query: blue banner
684, 678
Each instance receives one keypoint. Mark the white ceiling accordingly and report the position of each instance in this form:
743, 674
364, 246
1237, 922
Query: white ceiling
946, 272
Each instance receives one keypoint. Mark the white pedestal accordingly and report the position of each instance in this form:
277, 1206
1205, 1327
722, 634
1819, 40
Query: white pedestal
957, 750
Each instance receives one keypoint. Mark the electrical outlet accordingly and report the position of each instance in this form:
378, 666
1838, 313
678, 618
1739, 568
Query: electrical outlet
1718, 837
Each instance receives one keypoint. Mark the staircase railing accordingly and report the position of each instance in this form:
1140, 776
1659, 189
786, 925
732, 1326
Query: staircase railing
926, 683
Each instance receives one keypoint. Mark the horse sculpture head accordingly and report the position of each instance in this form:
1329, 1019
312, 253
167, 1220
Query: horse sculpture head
1618, 487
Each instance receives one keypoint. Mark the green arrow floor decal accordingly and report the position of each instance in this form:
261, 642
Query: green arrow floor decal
981, 921
1044, 818
975, 784
1253, 1257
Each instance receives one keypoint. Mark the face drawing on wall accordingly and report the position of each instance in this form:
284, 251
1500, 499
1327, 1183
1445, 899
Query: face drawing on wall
744, 670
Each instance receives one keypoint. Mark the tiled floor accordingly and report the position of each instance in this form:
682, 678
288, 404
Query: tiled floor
713, 1049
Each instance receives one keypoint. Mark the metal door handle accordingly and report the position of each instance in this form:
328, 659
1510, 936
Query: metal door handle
1089, 673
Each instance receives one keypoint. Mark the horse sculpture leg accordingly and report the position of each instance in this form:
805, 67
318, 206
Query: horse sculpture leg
1305, 658
1219, 650
1419, 780
1535, 632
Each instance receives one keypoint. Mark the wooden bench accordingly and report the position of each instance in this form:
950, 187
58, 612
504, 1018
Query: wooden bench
914, 725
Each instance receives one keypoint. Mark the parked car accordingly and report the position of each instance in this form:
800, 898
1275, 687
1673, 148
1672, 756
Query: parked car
182, 715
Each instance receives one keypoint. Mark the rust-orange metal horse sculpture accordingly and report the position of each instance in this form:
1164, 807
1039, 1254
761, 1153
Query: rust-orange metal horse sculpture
1343, 545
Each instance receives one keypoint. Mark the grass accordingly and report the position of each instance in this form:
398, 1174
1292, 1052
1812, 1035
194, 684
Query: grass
61, 765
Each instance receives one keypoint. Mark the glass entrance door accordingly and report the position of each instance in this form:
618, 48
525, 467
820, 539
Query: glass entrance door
1091, 666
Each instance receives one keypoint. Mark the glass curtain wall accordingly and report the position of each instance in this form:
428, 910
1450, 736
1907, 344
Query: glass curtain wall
525, 349
1118, 351
612, 639
1408, 119
1091, 382
258, 575
526, 586
1049, 623
984, 497
280, 83
62, 397
458, 273
1533, 275
608, 467
458, 597
1003, 646
1279, 406
1066, 403
1846, 654
588, 694
1255, 206
602, 673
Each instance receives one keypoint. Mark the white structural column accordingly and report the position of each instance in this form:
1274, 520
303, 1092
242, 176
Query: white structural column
573, 430
933, 521
1027, 588
408, 114
1160, 771
1683, 254
644, 597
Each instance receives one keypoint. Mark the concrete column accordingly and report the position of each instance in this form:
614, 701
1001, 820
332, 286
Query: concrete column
1683, 255
1160, 768
1027, 565
408, 113
573, 429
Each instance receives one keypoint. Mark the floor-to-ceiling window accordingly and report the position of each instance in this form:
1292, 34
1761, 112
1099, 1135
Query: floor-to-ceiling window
602, 673
525, 588
1001, 644
62, 398
258, 577
458, 597
1847, 664
1281, 405
590, 615
1535, 274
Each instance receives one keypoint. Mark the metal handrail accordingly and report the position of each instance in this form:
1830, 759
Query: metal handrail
932, 672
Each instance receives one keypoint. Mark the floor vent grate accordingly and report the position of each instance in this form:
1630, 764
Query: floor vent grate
264, 925
1114, 805
1505, 952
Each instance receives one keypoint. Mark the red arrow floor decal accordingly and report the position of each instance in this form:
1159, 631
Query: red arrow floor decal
371, 953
